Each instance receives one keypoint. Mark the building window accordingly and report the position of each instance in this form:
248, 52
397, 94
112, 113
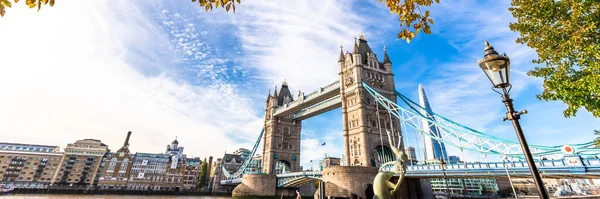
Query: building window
123, 167
112, 165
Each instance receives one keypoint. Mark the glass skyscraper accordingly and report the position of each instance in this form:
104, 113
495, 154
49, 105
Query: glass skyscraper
434, 150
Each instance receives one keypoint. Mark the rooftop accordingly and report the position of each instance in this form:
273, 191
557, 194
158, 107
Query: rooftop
31, 145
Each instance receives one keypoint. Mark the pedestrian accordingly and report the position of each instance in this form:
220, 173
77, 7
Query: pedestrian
298, 195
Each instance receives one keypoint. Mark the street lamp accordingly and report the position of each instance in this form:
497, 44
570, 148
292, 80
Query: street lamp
497, 68
444, 166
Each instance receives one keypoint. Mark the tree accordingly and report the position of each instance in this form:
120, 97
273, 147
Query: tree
566, 37
30, 3
202, 174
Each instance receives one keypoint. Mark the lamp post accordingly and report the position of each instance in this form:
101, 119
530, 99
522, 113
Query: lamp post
443, 165
497, 68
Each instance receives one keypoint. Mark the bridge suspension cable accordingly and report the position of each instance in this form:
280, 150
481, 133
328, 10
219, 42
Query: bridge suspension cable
244, 165
457, 135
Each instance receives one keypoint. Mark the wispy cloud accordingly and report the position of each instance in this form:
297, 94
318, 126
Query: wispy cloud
104, 70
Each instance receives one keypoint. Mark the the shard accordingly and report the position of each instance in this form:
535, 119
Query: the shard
434, 149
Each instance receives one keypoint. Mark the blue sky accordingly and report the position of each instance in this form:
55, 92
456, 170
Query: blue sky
167, 68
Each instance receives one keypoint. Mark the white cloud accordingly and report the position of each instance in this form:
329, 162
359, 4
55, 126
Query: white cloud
298, 40
87, 69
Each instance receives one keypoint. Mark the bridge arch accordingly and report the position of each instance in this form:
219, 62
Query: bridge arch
381, 154
282, 166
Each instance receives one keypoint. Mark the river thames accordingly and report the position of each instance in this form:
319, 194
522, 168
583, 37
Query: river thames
32, 196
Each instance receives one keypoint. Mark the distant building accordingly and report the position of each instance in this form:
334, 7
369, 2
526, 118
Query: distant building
453, 159
329, 161
158, 171
148, 172
28, 165
116, 168
412, 155
80, 163
254, 166
192, 170
465, 186
434, 150
244, 153
176, 153
232, 162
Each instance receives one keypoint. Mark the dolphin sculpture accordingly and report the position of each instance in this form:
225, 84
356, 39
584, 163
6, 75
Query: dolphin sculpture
381, 183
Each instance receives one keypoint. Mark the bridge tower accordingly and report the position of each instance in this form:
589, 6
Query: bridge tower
281, 150
364, 135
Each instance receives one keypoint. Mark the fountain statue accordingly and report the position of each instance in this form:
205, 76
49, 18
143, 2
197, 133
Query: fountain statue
381, 183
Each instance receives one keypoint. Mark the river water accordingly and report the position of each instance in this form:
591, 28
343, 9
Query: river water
47, 196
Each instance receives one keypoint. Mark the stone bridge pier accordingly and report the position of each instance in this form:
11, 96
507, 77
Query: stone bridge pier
342, 181
265, 185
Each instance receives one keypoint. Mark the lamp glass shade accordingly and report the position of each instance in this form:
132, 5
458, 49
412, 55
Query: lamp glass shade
497, 70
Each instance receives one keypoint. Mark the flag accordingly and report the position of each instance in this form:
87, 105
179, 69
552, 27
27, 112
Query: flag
323, 144
310, 160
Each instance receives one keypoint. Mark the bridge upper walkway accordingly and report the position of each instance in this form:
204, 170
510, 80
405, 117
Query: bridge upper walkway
318, 97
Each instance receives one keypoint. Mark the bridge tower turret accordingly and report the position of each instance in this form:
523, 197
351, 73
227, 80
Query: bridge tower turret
361, 128
281, 139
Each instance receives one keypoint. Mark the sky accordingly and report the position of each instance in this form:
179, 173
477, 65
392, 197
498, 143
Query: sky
168, 69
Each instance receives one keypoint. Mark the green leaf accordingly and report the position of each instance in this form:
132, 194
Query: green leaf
430, 21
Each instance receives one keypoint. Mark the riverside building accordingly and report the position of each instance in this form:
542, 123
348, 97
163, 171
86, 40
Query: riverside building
116, 168
148, 172
190, 175
28, 165
80, 163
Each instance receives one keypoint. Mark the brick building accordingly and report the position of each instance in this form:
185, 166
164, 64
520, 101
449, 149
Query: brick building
80, 163
190, 175
28, 165
117, 167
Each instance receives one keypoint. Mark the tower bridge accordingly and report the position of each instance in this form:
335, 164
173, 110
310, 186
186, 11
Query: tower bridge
365, 92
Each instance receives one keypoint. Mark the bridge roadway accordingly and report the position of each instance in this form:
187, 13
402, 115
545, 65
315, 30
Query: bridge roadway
570, 167
316, 102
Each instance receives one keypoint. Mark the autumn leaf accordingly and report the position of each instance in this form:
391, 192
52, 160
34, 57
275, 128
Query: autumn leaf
30, 3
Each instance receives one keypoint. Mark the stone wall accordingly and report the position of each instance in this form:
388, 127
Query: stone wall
346, 180
256, 185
